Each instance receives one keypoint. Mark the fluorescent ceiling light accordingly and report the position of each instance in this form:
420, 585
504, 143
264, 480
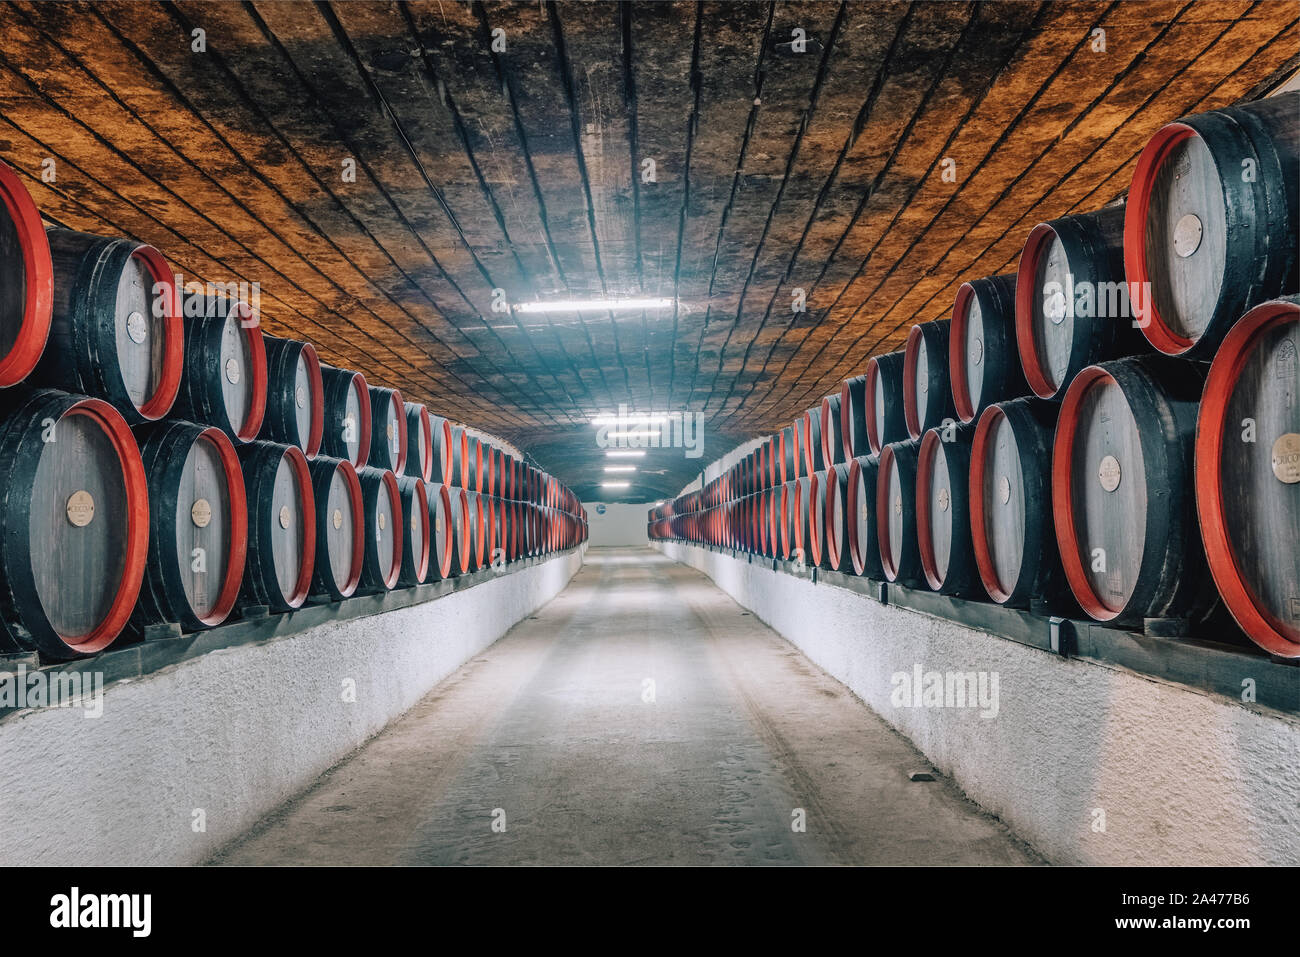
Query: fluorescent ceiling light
637, 434
586, 305
620, 468
629, 419
615, 484
626, 453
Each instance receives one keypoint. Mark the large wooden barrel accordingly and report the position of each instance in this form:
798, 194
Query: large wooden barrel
860, 504
784, 545
927, 394
381, 500
198, 526
442, 531
983, 357
943, 511
347, 415
26, 281
420, 449
835, 550
295, 395
1248, 474
340, 527
799, 545
75, 509
416, 546
882, 398
786, 470
1072, 304
900, 553
799, 431
442, 450
116, 329
832, 441
281, 526
853, 421
388, 438
1011, 503
812, 441
814, 522
1211, 225
224, 382
1122, 494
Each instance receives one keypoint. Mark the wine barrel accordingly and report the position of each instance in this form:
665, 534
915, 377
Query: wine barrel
860, 503
832, 441
1211, 225
812, 441
798, 430
835, 552
107, 339
74, 505
927, 394
347, 415
900, 553
1011, 503
882, 402
421, 451
1248, 474
786, 469
983, 357
416, 547
26, 281
442, 531
442, 450
785, 509
340, 527
281, 526
388, 438
295, 395
474, 531
1122, 491
224, 380
943, 511
381, 500
853, 422
198, 526
1072, 303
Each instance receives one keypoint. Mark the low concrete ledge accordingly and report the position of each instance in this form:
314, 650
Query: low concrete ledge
195, 746
1089, 761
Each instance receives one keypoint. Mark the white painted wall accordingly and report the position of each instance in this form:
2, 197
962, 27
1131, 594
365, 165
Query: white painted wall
1183, 777
235, 732
622, 524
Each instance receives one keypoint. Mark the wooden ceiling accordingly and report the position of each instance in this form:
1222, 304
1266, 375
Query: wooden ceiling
521, 169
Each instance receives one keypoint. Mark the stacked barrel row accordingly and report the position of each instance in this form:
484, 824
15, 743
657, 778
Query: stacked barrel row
168, 463
1115, 424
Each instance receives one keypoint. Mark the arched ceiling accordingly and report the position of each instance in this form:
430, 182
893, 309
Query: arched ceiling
798, 152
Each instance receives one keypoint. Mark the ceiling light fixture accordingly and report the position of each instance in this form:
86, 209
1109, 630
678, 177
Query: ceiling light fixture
636, 434
629, 419
586, 305
620, 468
626, 453
615, 484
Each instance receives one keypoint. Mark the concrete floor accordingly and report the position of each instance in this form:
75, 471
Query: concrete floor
556, 732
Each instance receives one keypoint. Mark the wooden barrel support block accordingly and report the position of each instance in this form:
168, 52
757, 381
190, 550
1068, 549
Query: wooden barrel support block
281, 525
75, 509
340, 527
1205, 241
1248, 474
116, 330
225, 379
983, 359
1121, 491
1011, 502
416, 547
927, 395
26, 281
198, 526
883, 406
860, 504
382, 504
900, 555
295, 395
348, 420
943, 511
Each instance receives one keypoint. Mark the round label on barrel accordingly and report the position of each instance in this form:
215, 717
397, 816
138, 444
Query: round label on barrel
201, 512
232, 371
943, 499
1004, 489
389, 430
976, 351
898, 505
300, 397
437, 524
1108, 473
864, 512
1187, 235
1286, 458
136, 327
81, 508
415, 523
284, 516
382, 523
338, 518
